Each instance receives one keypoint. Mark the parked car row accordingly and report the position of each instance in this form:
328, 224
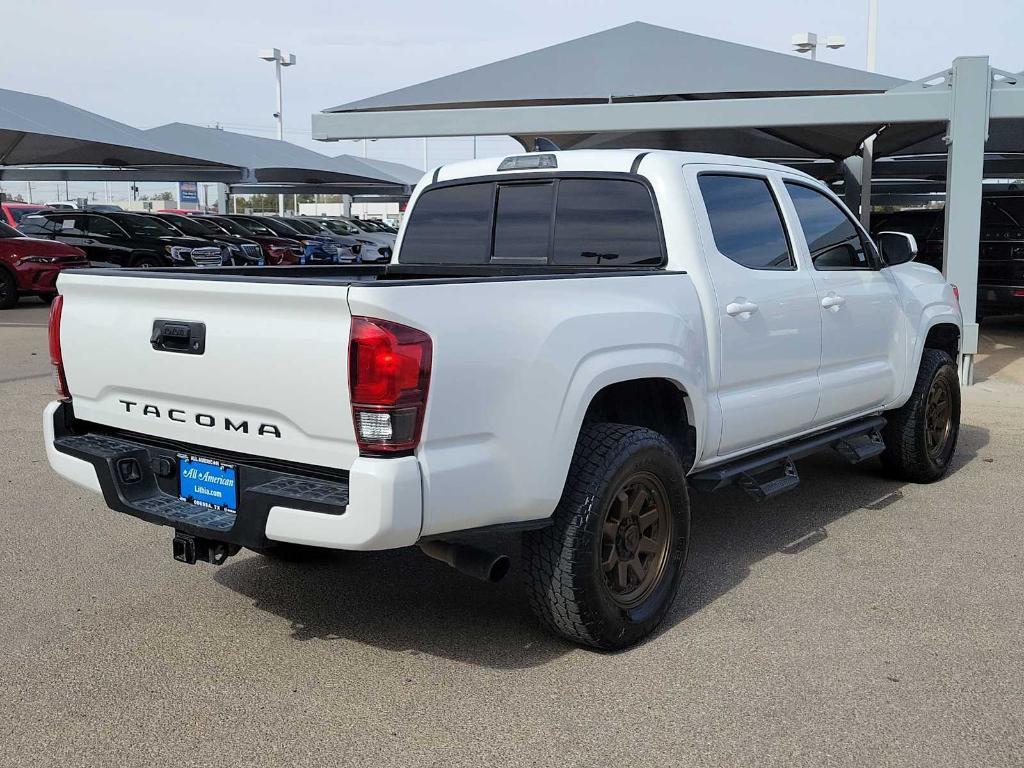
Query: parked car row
38, 241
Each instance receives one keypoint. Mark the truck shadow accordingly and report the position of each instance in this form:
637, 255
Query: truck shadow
730, 533
402, 601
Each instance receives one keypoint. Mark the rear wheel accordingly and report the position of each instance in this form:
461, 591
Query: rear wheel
921, 436
606, 572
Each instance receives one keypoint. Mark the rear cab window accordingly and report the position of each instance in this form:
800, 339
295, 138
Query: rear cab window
746, 221
580, 221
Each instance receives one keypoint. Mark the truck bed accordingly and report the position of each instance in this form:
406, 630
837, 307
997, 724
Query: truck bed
380, 273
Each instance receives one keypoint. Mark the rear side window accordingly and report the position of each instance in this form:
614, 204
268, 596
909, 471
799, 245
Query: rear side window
450, 225
607, 222
568, 221
97, 225
39, 225
745, 221
832, 238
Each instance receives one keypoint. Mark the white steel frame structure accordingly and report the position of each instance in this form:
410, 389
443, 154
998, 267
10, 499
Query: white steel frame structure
961, 101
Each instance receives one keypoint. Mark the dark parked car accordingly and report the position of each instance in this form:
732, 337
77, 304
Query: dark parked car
1000, 250
276, 250
29, 267
317, 249
124, 239
240, 251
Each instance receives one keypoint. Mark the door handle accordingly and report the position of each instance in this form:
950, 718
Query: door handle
833, 302
740, 308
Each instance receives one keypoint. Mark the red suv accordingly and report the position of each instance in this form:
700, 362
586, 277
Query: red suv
29, 267
13, 213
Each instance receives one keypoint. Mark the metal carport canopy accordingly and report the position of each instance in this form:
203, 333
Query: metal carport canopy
223, 156
272, 161
36, 130
633, 66
820, 121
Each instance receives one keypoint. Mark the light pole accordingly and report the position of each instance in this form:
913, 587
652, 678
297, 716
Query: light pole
872, 34
807, 42
280, 60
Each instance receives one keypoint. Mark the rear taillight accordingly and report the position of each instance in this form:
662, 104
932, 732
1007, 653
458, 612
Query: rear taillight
956, 292
56, 358
389, 373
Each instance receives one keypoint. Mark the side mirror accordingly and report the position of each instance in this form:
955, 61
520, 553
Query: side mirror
897, 247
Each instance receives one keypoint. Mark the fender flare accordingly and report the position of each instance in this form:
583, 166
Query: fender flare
597, 371
932, 316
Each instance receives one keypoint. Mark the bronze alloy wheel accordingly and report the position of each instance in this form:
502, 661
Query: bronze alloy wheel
635, 535
938, 417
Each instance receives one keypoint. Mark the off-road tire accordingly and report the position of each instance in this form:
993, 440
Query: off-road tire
906, 455
8, 290
561, 563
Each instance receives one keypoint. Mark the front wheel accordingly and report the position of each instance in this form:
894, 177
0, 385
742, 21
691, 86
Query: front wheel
607, 570
8, 290
146, 261
920, 437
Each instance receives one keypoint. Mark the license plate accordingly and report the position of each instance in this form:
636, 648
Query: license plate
207, 483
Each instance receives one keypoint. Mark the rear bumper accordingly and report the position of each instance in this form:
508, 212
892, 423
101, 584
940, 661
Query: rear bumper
1007, 299
378, 506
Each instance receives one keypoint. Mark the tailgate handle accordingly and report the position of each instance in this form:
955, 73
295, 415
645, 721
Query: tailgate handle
179, 336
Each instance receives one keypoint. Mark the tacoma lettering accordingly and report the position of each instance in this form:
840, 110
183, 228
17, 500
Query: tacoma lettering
207, 420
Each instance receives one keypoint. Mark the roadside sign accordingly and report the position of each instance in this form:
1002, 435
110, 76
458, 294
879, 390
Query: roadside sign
188, 192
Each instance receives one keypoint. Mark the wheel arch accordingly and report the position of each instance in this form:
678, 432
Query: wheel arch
939, 329
656, 402
942, 335
135, 255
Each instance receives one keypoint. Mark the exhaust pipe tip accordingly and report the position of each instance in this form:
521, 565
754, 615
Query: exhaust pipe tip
500, 566
470, 560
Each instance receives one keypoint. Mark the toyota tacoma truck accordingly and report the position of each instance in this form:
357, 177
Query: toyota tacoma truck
565, 346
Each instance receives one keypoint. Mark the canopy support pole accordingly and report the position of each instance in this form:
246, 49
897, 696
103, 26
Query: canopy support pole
851, 168
968, 130
867, 155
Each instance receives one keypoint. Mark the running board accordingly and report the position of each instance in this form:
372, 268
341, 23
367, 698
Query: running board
772, 471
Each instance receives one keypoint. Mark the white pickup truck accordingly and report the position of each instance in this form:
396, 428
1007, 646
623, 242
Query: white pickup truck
564, 345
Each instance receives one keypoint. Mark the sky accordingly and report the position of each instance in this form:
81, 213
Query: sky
148, 64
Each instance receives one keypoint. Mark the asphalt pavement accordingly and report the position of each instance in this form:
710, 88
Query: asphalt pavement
853, 622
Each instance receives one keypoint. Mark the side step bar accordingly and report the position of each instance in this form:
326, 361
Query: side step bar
771, 472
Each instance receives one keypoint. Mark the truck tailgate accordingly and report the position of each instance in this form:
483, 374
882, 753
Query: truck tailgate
272, 380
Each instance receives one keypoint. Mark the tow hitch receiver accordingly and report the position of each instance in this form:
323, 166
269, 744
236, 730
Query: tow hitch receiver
188, 549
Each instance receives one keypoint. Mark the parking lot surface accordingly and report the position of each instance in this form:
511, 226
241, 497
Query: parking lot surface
854, 621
